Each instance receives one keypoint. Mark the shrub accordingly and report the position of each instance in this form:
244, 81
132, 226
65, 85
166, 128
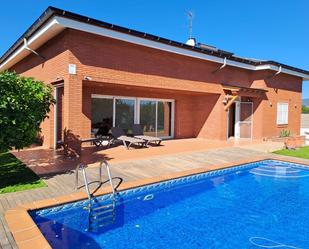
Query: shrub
24, 104
305, 109
285, 133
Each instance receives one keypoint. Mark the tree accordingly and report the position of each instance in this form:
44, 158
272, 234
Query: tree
305, 109
24, 104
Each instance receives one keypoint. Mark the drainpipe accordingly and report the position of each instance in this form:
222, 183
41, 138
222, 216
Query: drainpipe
223, 65
279, 71
26, 46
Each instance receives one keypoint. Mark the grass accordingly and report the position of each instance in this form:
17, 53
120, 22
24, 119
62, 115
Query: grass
15, 176
301, 152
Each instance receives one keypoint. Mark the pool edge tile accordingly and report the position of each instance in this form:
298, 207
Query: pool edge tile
14, 215
24, 230
38, 242
296, 160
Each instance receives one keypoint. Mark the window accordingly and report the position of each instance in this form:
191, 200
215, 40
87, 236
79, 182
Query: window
164, 119
124, 110
282, 113
102, 116
108, 112
154, 115
148, 112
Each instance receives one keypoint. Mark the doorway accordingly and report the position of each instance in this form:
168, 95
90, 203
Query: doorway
231, 121
240, 118
58, 114
243, 119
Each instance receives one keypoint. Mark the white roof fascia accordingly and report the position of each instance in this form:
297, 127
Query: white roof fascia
49, 30
62, 23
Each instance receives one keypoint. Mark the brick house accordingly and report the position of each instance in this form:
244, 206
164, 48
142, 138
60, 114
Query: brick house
104, 75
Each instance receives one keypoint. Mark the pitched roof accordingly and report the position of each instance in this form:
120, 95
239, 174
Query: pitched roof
223, 56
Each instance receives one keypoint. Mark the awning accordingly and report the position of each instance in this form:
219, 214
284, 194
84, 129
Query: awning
234, 92
239, 90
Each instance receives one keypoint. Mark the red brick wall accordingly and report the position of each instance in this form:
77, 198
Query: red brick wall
126, 69
187, 123
48, 70
281, 88
142, 66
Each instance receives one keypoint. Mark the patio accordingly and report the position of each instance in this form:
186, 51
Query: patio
172, 157
47, 161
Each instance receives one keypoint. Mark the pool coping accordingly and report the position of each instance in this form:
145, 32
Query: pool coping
28, 235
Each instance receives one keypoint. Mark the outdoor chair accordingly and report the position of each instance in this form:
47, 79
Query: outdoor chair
138, 133
98, 140
127, 141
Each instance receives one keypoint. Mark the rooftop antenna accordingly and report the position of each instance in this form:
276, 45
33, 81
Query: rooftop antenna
191, 40
190, 16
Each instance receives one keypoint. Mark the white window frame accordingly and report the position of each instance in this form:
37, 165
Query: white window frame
137, 108
282, 115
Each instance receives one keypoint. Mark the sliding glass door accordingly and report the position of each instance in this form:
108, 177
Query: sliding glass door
125, 113
102, 116
164, 127
155, 116
148, 116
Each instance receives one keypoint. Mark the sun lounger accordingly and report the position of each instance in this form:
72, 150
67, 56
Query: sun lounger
98, 141
127, 141
138, 133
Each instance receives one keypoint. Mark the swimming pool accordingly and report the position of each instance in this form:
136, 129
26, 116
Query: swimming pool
257, 205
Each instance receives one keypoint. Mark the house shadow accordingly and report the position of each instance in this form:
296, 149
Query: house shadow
48, 162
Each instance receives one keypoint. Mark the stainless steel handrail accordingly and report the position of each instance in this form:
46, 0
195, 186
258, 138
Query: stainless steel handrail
86, 181
109, 176
83, 167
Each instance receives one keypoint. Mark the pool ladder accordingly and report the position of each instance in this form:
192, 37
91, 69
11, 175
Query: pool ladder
99, 215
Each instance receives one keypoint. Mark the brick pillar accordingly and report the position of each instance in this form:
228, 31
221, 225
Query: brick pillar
74, 118
47, 127
215, 125
223, 118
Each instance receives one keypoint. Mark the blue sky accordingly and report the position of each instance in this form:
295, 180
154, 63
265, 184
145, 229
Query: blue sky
264, 29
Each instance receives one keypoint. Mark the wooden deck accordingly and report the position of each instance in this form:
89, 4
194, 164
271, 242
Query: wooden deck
124, 171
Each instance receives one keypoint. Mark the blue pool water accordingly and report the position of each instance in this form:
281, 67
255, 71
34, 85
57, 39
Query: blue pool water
258, 205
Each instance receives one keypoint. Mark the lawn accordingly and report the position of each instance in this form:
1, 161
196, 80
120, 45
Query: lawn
15, 176
301, 152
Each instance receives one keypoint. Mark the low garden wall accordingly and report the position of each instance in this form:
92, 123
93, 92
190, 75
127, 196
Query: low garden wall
305, 132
